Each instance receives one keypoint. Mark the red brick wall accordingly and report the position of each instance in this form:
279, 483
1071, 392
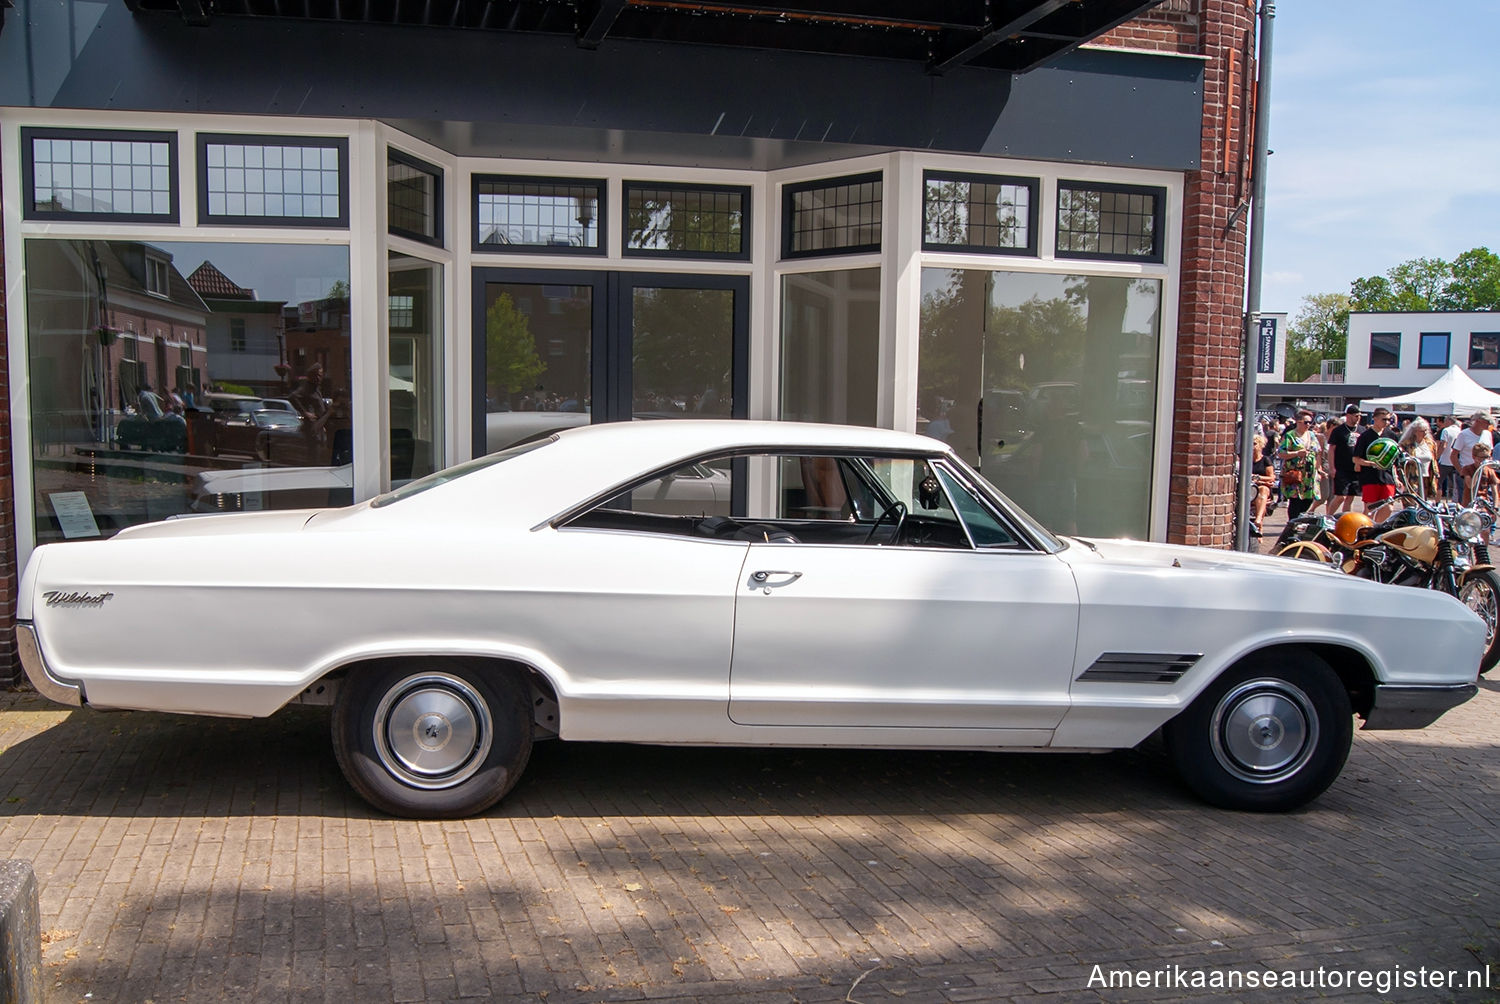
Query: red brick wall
1211, 304
10, 667
1171, 26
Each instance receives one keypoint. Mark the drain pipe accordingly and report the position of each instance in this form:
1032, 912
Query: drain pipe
1253, 268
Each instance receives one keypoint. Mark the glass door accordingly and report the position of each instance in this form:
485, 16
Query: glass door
684, 340
559, 348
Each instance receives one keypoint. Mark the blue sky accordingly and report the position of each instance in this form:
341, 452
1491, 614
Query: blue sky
1386, 129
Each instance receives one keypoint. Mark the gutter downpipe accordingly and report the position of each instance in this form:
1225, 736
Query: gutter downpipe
1253, 267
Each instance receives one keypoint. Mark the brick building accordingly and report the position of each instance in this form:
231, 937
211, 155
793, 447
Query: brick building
1016, 225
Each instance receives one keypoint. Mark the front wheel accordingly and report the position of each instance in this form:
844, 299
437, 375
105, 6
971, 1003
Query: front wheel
432, 740
1480, 592
1268, 735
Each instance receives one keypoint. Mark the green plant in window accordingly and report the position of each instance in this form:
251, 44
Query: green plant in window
512, 365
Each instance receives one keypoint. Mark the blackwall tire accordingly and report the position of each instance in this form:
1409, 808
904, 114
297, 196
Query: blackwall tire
1268, 735
433, 739
1480, 592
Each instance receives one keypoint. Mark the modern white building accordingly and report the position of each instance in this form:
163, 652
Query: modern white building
1402, 351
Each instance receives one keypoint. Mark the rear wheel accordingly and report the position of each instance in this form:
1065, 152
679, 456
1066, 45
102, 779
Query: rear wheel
1268, 735
1480, 592
432, 740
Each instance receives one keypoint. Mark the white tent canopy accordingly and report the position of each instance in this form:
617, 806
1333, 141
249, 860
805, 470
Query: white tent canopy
1453, 393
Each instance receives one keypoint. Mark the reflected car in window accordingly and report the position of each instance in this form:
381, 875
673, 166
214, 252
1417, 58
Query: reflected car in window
275, 437
825, 586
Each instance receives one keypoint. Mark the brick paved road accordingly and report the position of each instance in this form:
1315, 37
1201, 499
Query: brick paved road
193, 859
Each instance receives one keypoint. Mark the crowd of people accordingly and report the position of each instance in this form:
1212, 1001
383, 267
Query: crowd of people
1324, 462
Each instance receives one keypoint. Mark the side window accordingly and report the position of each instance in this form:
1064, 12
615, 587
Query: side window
984, 527
690, 490
827, 488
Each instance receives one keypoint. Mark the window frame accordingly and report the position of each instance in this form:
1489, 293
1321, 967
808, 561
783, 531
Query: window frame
418, 164
1396, 365
161, 266
203, 140
29, 210
746, 220
1477, 365
1158, 193
601, 216
1026, 541
790, 191
1033, 222
1446, 336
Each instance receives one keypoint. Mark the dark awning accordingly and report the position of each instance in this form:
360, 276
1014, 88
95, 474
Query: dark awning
1013, 35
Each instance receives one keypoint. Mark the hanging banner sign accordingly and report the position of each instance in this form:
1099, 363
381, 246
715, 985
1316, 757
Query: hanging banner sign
1265, 361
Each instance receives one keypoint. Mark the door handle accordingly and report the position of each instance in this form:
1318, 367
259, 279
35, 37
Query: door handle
762, 576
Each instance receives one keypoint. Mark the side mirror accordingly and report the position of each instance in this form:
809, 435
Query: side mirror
929, 492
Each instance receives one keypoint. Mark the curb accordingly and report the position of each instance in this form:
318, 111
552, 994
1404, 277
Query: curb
20, 935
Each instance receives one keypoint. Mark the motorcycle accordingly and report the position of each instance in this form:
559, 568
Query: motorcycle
1434, 546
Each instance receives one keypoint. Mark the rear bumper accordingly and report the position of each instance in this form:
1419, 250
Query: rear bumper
1398, 707
54, 688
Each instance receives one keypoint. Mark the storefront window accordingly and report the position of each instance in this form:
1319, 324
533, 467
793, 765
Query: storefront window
230, 390
1047, 383
830, 340
416, 361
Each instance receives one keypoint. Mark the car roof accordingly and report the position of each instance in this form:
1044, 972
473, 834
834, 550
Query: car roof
587, 461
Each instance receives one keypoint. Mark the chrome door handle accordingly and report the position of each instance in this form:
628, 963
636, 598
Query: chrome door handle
764, 575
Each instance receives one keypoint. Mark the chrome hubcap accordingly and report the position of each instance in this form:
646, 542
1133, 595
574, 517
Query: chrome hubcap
432, 730
1480, 598
1264, 731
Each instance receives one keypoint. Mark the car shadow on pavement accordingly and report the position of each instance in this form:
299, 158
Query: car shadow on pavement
124, 763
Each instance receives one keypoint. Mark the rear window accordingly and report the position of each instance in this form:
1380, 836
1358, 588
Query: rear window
457, 471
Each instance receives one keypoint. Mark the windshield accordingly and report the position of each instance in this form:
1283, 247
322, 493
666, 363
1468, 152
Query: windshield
1043, 536
457, 471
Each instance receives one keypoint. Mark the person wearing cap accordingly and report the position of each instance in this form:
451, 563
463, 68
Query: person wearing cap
1448, 428
1377, 485
1463, 447
1345, 477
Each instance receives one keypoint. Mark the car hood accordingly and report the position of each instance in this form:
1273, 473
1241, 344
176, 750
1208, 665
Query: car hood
1148, 554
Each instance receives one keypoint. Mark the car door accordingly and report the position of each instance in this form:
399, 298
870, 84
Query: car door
907, 633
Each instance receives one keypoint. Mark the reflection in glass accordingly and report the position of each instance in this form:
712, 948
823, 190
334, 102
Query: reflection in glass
537, 343
697, 220
683, 351
535, 212
830, 339
1047, 384
416, 367
169, 378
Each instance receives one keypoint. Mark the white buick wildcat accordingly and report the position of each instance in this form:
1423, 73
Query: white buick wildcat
881, 593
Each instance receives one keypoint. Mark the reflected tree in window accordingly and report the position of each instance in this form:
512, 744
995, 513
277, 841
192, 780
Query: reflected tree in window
683, 350
512, 365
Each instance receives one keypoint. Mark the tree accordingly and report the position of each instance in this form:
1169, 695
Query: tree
1319, 331
511, 362
1475, 284
1470, 282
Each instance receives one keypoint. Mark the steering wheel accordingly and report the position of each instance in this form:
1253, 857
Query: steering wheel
898, 509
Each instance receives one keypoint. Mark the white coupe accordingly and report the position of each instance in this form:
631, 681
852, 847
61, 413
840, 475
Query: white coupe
827, 586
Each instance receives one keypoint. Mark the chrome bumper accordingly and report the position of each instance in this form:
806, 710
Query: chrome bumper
1398, 707
51, 687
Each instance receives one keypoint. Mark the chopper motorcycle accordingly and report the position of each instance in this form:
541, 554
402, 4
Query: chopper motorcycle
1433, 546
